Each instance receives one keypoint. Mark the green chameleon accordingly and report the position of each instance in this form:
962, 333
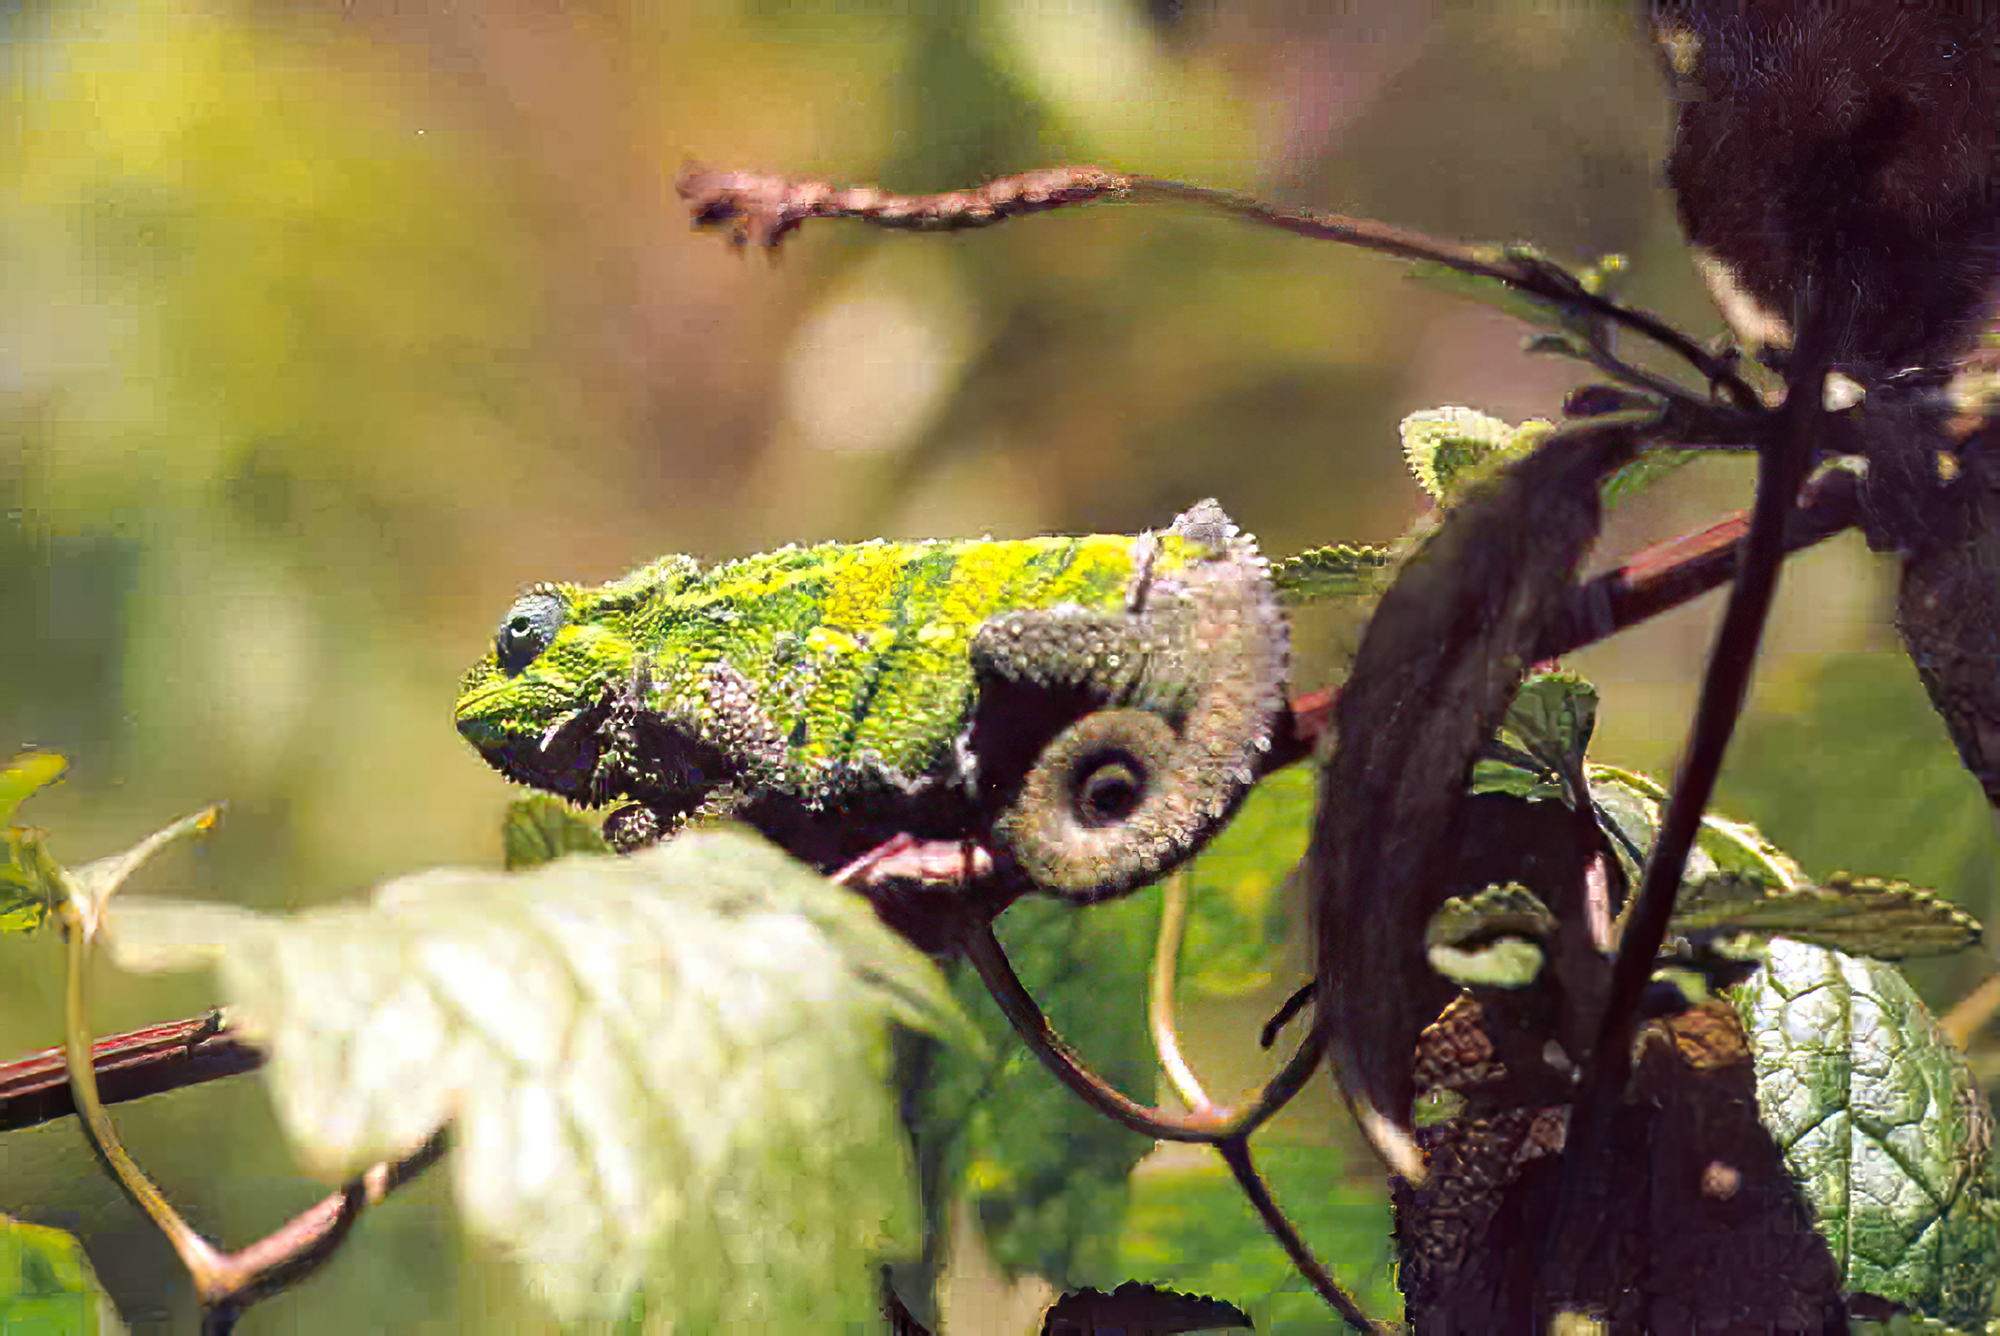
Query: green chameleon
1088, 709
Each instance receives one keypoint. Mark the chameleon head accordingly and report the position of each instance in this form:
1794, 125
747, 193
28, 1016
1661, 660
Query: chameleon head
540, 705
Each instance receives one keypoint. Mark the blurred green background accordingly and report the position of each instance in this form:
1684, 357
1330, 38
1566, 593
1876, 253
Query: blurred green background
326, 327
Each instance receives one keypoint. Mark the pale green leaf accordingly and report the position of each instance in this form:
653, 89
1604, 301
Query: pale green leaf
1509, 962
1448, 448
667, 1075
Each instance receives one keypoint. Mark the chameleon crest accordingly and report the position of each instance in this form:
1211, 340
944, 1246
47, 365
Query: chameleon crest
1089, 708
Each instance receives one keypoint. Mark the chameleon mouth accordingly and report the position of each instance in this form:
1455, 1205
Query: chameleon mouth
566, 760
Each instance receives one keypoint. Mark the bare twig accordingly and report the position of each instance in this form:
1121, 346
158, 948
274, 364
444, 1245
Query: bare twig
1651, 582
761, 210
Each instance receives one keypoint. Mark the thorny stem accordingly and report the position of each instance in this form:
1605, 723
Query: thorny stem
1235, 1152
1725, 686
763, 209
1160, 998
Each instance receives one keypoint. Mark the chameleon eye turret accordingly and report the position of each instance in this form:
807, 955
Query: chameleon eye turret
1088, 709
528, 629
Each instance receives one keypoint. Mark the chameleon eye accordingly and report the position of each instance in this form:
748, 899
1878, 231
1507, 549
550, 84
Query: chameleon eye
529, 628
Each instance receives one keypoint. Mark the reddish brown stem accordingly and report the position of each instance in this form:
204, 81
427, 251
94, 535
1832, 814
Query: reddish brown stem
35, 1089
303, 1244
1655, 580
1235, 1153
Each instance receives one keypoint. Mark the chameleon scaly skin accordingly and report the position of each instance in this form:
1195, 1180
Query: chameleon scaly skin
1093, 706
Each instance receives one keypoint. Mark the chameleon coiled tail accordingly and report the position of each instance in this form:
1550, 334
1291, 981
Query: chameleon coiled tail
1188, 683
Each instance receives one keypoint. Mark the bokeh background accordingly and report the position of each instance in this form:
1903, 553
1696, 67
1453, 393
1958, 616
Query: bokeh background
325, 328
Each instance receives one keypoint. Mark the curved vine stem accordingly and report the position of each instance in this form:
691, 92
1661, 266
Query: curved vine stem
1160, 998
1228, 1130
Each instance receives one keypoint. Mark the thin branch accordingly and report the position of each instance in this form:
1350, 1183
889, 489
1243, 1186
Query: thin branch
1235, 1153
761, 210
1725, 686
1666, 575
303, 1244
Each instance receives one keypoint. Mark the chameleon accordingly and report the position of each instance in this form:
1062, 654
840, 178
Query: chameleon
1094, 706
1089, 709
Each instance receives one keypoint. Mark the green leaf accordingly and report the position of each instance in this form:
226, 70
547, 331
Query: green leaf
1542, 739
1887, 920
24, 776
667, 1074
1650, 467
1552, 717
1883, 1127
1510, 910
1344, 570
1628, 807
47, 1286
1238, 888
1046, 1174
1190, 1228
1448, 448
541, 828
30, 881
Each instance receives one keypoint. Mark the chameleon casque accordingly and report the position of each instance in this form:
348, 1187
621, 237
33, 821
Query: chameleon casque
1087, 709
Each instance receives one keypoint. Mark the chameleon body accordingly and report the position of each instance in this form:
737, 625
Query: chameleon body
1090, 708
